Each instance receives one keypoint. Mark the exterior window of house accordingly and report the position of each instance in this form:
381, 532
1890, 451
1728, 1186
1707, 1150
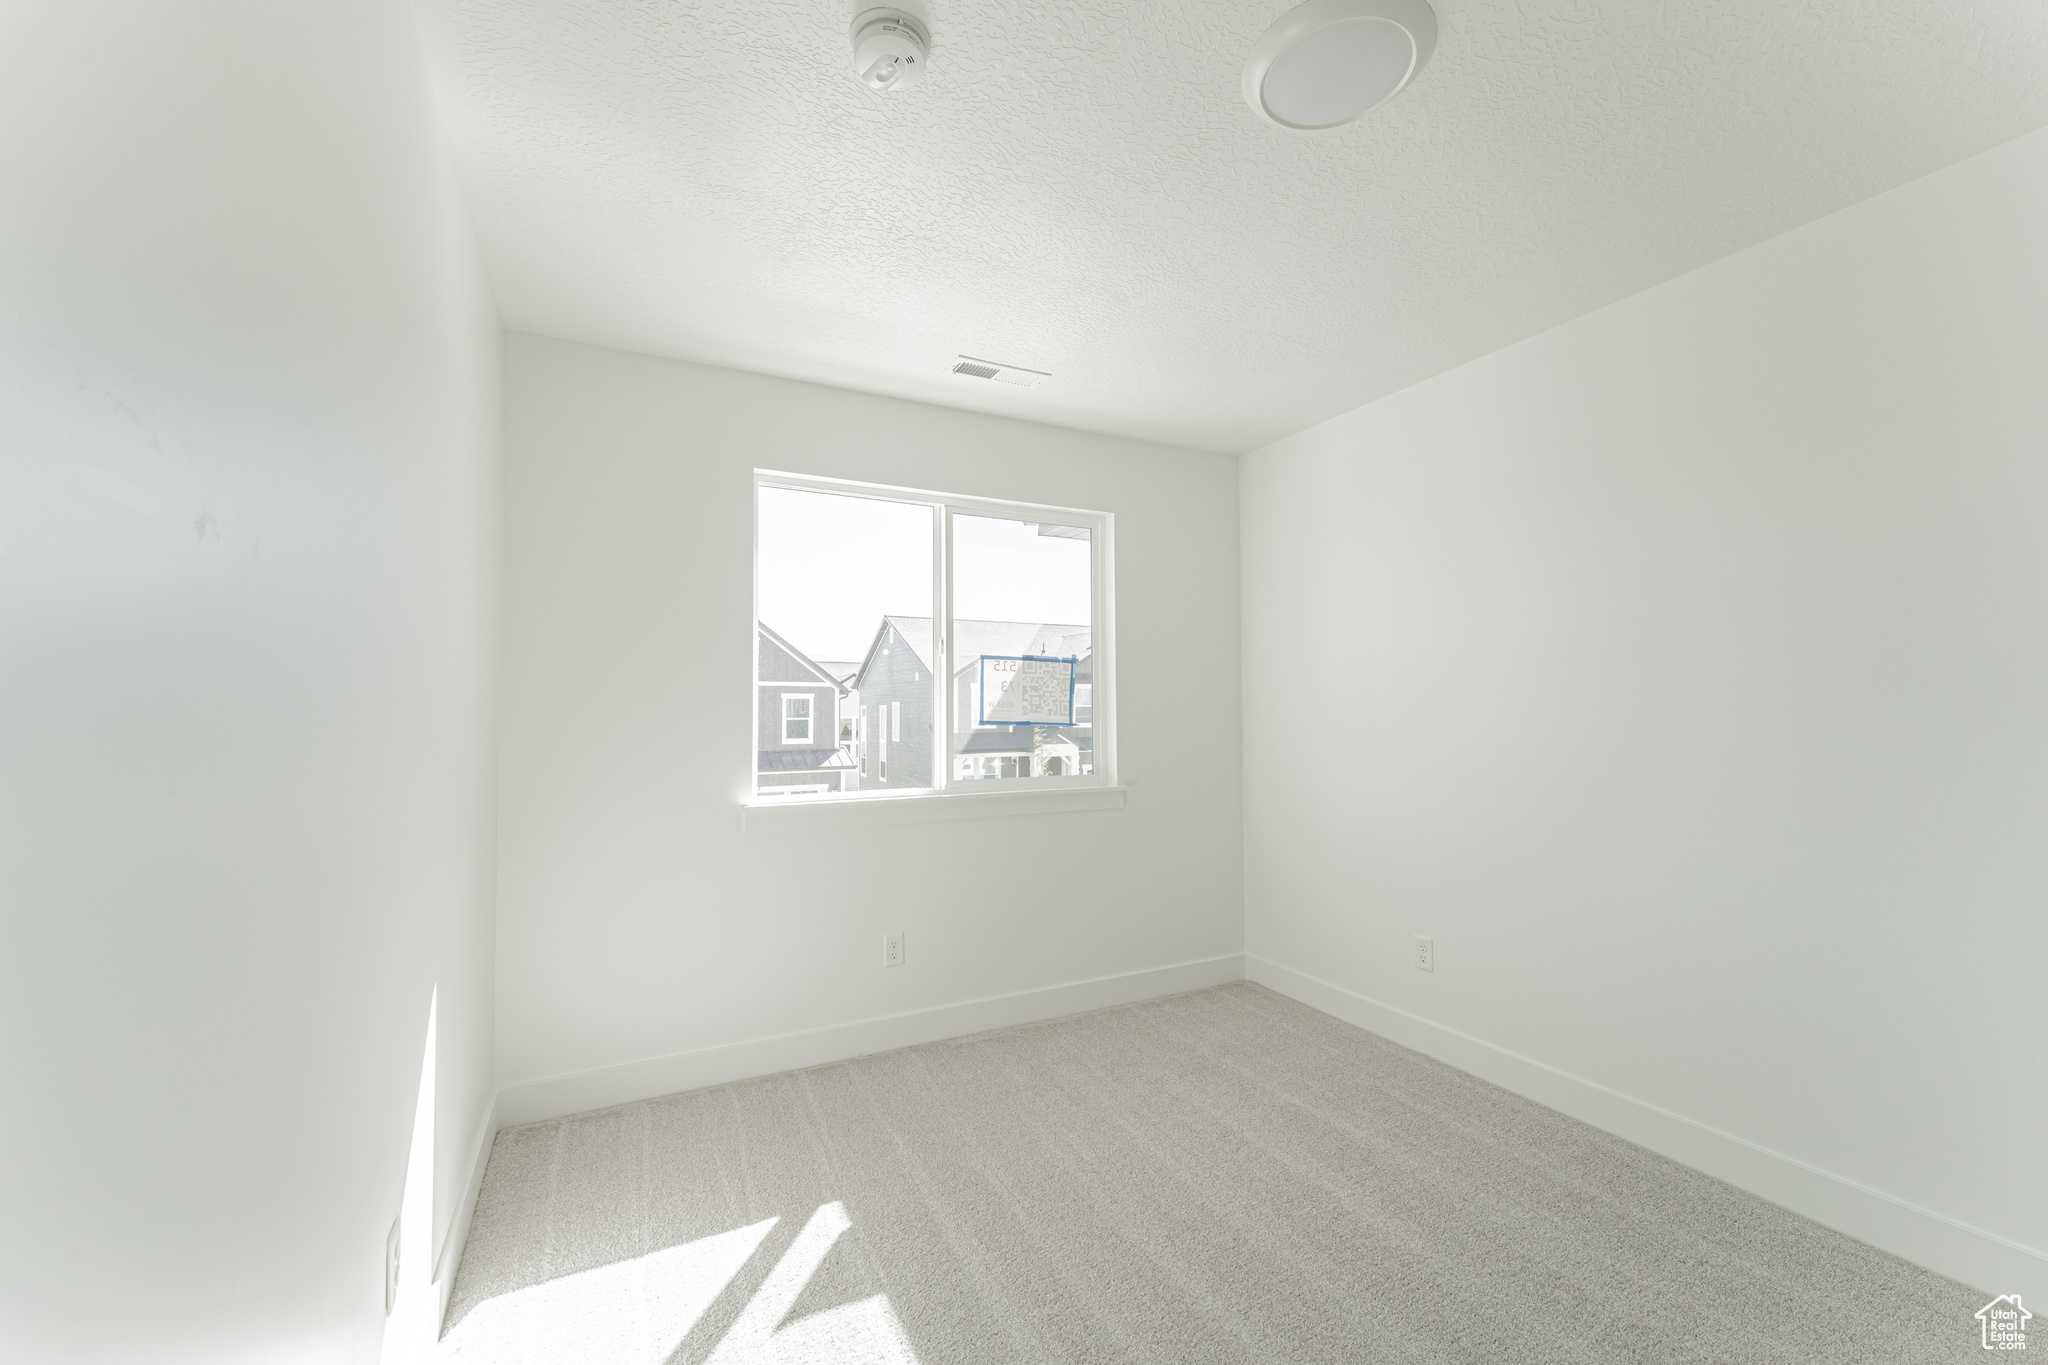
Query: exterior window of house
963, 638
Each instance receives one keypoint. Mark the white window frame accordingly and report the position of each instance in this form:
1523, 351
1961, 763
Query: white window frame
957, 795
810, 720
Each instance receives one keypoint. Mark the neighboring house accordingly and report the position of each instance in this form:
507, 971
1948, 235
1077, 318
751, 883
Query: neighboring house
893, 723
988, 752
799, 707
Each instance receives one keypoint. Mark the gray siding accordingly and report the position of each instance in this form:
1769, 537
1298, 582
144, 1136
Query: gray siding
780, 762
897, 676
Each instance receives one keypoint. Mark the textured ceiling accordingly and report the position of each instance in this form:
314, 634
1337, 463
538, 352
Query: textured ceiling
1080, 188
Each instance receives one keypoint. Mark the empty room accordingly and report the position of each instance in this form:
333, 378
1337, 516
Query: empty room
695, 683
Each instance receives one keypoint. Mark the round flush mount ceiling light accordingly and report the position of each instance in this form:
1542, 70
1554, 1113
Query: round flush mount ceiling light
1328, 62
890, 49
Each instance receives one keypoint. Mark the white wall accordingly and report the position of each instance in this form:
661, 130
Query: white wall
1693, 660
248, 379
636, 920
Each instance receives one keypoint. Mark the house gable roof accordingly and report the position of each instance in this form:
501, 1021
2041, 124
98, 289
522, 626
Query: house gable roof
915, 631
972, 638
802, 659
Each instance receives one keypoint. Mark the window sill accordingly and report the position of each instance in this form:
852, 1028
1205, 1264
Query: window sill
765, 817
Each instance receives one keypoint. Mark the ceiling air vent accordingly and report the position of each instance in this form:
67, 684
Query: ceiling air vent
1002, 374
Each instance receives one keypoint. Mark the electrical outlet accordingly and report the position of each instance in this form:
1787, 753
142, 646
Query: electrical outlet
391, 1267
892, 949
1425, 953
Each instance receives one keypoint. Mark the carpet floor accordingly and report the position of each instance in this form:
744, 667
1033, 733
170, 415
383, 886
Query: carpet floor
1221, 1176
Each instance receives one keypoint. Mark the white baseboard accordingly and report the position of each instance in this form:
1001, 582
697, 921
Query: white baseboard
1990, 1263
448, 1260
556, 1096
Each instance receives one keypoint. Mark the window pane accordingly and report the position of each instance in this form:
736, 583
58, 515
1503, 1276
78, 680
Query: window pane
1023, 607
844, 588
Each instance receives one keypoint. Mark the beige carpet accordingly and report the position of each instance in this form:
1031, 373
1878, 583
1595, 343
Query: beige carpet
1220, 1176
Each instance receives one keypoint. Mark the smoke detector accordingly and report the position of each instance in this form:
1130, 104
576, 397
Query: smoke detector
1002, 374
1327, 62
890, 49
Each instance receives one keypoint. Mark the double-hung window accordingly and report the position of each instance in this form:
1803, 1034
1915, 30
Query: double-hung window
969, 635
